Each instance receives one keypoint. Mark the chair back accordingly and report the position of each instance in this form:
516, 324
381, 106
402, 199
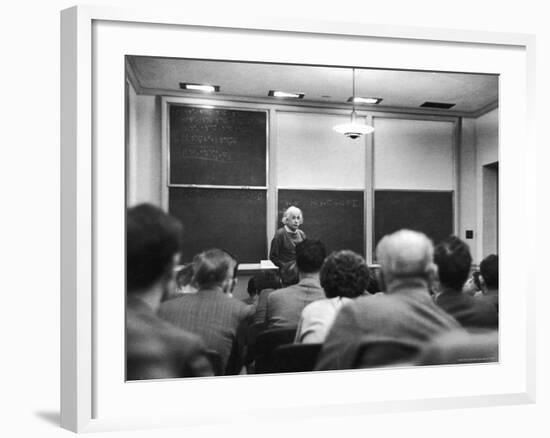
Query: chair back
266, 342
292, 358
252, 333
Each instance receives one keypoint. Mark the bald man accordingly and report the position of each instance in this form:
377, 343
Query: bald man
390, 328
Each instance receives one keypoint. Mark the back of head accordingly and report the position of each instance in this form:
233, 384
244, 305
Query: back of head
263, 280
405, 254
344, 274
213, 267
310, 254
153, 239
489, 271
453, 260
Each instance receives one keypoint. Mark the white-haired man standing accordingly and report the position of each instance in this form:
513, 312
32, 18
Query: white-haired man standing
390, 328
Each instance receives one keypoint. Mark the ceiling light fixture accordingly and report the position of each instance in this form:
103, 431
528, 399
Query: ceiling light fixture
205, 88
354, 129
365, 100
285, 94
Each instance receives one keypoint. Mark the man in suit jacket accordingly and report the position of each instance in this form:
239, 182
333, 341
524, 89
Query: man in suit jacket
489, 278
219, 319
154, 348
404, 314
453, 260
284, 306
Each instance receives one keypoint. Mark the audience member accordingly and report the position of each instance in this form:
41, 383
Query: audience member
344, 276
154, 348
184, 275
184, 279
265, 287
489, 278
473, 284
453, 260
405, 312
284, 306
374, 286
266, 280
211, 312
287, 237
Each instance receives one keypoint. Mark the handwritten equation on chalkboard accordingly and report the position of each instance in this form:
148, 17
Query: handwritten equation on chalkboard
217, 146
322, 203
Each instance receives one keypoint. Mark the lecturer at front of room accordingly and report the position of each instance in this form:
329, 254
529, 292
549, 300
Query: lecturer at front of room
283, 245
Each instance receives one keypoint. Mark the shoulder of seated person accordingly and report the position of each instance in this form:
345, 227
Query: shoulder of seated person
183, 338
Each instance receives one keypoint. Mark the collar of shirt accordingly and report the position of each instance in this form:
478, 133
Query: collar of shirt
310, 282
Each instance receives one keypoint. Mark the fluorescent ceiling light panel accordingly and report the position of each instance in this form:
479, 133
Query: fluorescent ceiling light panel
365, 100
205, 88
285, 94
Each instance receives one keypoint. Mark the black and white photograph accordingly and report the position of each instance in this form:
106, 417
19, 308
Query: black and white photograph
291, 218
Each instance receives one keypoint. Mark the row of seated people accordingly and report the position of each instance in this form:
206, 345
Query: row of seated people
334, 317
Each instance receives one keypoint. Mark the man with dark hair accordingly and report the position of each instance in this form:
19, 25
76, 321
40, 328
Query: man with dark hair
154, 348
284, 306
453, 260
404, 315
211, 312
489, 278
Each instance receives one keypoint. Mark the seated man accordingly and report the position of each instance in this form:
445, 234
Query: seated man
218, 318
284, 306
489, 279
453, 260
405, 313
154, 348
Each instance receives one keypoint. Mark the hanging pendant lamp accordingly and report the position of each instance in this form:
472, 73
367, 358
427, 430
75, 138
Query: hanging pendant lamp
354, 129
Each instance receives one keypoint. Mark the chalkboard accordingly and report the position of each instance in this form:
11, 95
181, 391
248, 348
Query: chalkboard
430, 212
216, 146
334, 217
234, 220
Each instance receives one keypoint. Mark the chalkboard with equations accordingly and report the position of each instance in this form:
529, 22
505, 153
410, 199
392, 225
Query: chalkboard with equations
230, 219
335, 217
217, 146
430, 212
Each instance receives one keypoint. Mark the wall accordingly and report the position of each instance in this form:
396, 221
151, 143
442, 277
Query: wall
413, 154
486, 128
144, 152
487, 137
467, 186
310, 154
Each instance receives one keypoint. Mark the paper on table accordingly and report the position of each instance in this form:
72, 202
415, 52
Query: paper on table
264, 264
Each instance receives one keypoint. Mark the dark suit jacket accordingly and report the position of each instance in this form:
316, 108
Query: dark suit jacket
284, 306
156, 349
217, 318
468, 311
406, 313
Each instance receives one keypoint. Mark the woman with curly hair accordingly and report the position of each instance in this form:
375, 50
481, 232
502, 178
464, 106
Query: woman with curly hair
344, 276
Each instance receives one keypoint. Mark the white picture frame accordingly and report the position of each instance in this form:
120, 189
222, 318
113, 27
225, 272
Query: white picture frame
92, 220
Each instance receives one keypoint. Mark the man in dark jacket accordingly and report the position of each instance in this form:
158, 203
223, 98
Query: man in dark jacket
154, 348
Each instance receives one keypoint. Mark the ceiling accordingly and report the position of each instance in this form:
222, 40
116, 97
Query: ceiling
472, 94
